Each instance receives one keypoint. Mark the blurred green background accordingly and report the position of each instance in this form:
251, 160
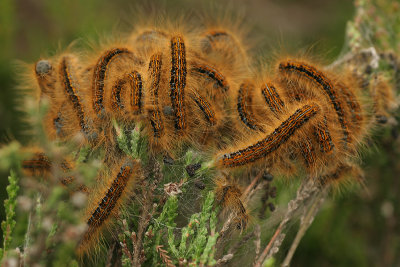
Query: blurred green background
360, 228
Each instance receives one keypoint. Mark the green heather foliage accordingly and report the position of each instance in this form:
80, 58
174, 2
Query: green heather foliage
174, 219
10, 204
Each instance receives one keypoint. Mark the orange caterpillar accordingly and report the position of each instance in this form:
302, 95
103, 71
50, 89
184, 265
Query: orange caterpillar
195, 89
39, 164
229, 197
105, 202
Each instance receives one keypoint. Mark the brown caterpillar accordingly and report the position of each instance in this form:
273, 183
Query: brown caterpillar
178, 81
272, 141
39, 164
136, 86
229, 197
99, 75
106, 201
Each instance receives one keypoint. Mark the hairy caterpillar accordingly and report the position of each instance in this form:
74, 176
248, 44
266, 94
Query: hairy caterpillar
99, 75
105, 202
39, 164
229, 196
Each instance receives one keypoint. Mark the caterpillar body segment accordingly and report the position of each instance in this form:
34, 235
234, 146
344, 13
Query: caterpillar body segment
205, 106
352, 104
356, 113
212, 74
149, 39
178, 81
105, 68
244, 105
137, 90
100, 72
70, 86
155, 85
38, 164
353, 112
158, 112
308, 153
126, 101
57, 123
117, 93
272, 98
59, 82
213, 83
339, 94
344, 173
324, 137
223, 46
384, 101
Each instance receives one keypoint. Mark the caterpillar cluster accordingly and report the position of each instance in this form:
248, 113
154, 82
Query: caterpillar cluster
197, 89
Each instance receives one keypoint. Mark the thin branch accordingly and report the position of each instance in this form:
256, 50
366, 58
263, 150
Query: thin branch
306, 222
252, 186
369, 52
273, 240
306, 191
257, 242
